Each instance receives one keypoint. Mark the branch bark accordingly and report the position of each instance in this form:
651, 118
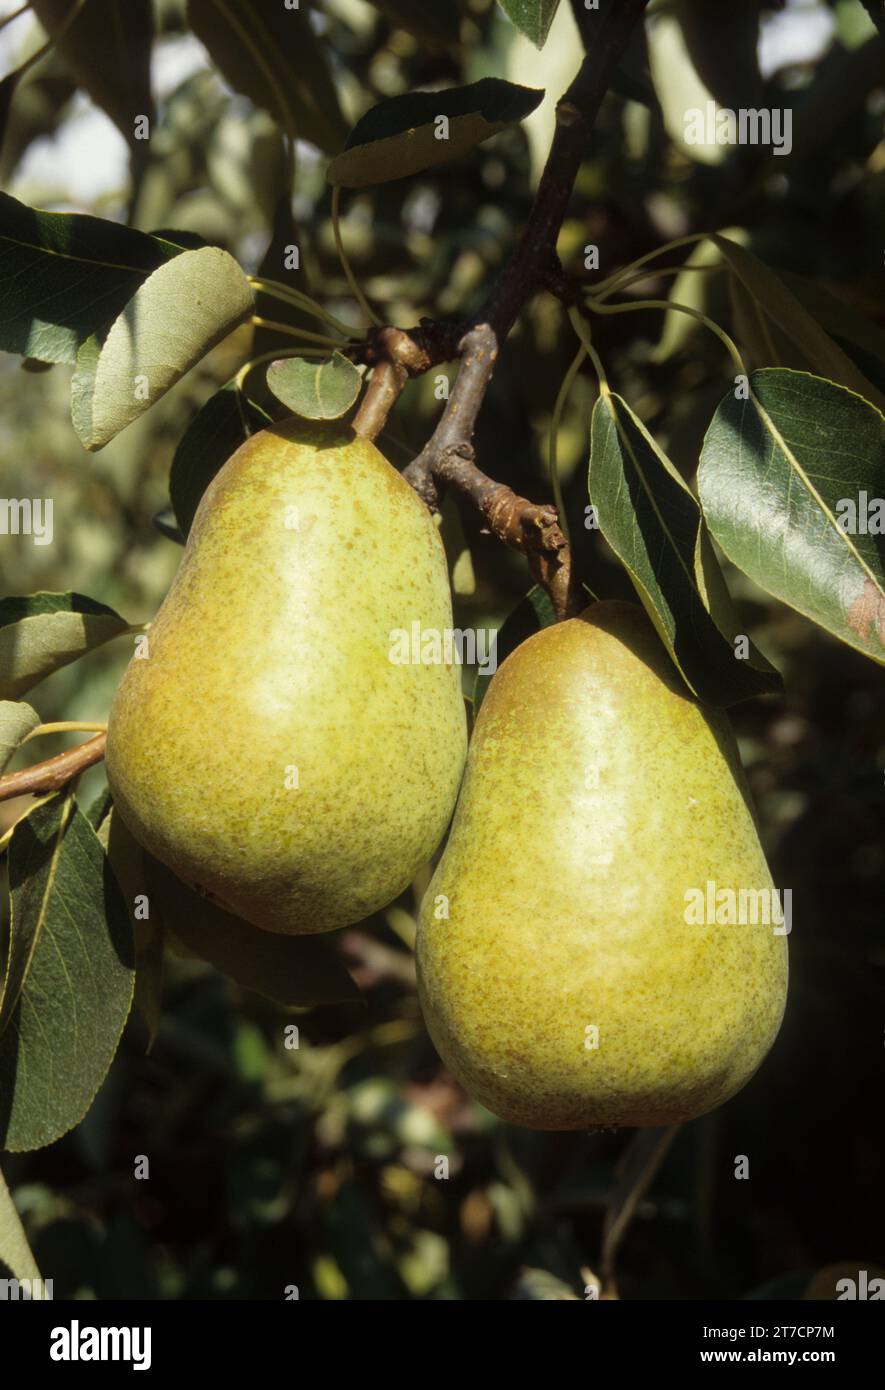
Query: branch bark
448, 457
55, 772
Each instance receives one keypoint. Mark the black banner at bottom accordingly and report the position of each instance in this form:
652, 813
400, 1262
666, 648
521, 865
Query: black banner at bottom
76, 1337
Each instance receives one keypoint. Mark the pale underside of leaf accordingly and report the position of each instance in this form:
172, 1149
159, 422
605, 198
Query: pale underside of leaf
180, 312
17, 720
398, 156
15, 1253
33, 648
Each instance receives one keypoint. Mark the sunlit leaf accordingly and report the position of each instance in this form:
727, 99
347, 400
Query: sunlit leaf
315, 390
41, 632
17, 720
66, 276
180, 312
788, 481
419, 130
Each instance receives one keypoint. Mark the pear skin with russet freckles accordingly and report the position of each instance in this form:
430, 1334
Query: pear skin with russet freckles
268, 750
559, 974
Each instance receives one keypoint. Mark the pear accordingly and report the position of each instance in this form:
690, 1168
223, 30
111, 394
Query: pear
564, 974
268, 743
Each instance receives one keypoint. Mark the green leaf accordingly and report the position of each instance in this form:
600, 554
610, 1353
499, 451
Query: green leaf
438, 25
839, 319
272, 55
722, 41
128, 865
69, 975
39, 633
41, 100
108, 50
15, 1253
315, 390
291, 970
66, 276
224, 423
99, 808
774, 301
17, 720
531, 614
405, 134
774, 470
531, 17
652, 522
180, 312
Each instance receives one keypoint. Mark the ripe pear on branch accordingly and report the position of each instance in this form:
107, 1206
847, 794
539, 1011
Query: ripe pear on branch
563, 976
265, 747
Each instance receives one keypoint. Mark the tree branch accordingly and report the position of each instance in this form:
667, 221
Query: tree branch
55, 772
448, 456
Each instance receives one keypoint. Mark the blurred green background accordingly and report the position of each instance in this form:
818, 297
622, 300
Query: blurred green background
314, 1167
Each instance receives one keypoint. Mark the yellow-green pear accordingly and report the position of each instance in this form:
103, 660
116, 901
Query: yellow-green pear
569, 970
274, 742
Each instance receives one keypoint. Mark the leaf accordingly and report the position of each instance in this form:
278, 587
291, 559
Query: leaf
531, 17
41, 99
165, 523
39, 633
841, 321
437, 25
180, 312
291, 970
127, 860
99, 809
69, 976
108, 50
16, 721
774, 470
224, 423
722, 41
653, 524
531, 614
776, 302
315, 390
15, 1253
66, 276
270, 53
404, 135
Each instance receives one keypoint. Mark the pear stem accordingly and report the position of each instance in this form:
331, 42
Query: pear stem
388, 380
